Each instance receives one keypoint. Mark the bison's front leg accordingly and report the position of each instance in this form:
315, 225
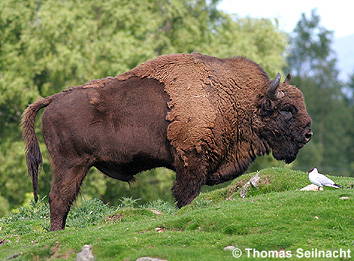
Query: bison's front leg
218, 178
227, 172
188, 184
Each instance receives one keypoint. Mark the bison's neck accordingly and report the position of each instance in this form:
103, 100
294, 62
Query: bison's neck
237, 101
238, 159
246, 147
237, 106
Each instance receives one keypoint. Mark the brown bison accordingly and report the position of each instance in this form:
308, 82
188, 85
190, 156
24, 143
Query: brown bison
204, 117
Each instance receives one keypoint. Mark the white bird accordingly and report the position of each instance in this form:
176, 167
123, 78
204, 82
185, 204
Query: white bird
321, 180
85, 254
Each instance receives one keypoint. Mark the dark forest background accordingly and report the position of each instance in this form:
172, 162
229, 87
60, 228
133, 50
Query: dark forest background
47, 46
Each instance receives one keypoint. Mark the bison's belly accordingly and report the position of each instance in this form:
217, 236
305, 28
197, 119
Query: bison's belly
126, 171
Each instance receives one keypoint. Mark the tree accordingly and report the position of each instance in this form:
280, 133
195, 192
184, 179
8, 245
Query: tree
47, 46
312, 63
349, 88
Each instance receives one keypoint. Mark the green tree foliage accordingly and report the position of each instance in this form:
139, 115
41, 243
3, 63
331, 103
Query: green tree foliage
47, 46
349, 88
312, 63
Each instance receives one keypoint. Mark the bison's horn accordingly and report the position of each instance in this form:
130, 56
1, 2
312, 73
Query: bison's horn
272, 90
288, 78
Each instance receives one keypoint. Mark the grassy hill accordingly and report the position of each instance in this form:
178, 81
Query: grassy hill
275, 216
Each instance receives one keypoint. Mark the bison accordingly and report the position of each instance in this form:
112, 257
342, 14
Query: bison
205, 118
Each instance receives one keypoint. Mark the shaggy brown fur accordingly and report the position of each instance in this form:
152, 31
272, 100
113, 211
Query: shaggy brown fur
205, 117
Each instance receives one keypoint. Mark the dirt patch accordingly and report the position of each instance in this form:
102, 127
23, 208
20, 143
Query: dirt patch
54, 249
3, 241
265, 180
55, 252
155, 211
234, 188
14, 256
160, 229
238, 186
115, 218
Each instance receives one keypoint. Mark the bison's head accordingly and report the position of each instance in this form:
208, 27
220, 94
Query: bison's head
285, 121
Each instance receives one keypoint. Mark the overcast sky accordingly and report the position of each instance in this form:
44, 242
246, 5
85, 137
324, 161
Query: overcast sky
337, 15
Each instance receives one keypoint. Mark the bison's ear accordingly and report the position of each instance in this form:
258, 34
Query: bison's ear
288, 78
273, 86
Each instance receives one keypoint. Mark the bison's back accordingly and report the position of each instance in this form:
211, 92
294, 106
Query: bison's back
114, 124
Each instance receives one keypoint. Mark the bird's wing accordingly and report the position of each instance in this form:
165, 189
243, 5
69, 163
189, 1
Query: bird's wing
324, 180
314, 180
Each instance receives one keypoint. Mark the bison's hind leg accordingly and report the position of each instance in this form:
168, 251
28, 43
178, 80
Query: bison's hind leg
64, 189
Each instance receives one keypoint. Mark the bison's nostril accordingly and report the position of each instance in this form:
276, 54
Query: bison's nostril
308, 136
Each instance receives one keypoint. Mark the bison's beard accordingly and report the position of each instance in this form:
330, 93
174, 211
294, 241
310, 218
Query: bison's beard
287, 158
286, 151
285, 145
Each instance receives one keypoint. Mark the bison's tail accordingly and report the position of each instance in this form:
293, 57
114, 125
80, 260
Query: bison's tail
33, 153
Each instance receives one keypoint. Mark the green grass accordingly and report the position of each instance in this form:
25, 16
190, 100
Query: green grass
275, 216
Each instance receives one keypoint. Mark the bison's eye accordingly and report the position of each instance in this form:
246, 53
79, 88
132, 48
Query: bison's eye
287, 112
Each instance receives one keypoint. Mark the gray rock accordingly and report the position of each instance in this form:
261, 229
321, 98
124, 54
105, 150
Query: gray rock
146, 258
254, 182
229, 248
344, 198
85, 254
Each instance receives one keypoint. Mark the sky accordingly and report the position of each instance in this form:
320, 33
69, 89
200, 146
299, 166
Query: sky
337, 16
